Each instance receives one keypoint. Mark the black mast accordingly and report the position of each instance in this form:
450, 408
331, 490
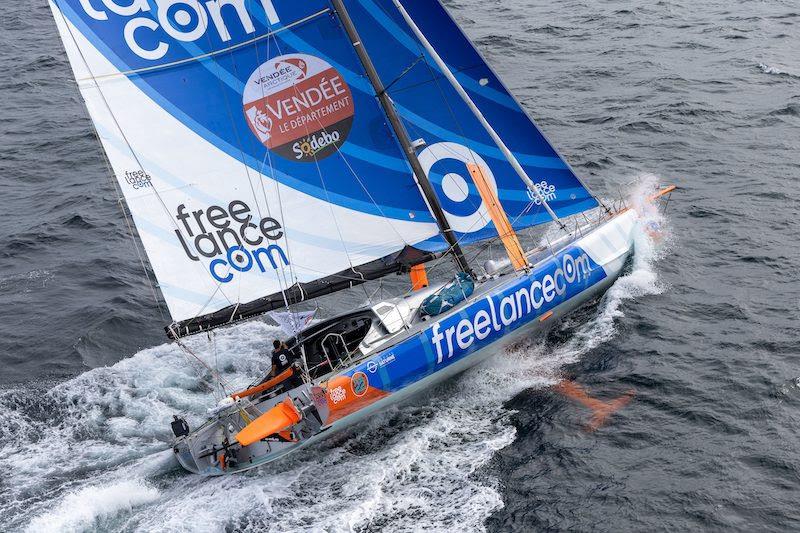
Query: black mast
402, 135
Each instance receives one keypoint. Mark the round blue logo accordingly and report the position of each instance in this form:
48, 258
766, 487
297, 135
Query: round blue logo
360, 383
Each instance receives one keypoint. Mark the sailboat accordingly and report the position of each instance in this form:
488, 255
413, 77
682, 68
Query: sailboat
271, 152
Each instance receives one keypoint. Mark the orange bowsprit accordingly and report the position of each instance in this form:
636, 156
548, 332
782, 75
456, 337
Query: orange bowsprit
507, 234
419, 278
662, 192
600, 410
278, 419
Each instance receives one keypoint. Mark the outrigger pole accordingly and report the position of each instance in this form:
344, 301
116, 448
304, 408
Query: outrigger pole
402, 135
509, 155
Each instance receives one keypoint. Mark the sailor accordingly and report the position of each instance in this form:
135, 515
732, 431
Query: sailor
282, 359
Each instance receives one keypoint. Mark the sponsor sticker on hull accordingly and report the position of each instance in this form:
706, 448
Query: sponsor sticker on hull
455, 337
299, 106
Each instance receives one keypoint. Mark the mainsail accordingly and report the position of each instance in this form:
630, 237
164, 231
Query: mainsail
256, 162
246, 141
434, 112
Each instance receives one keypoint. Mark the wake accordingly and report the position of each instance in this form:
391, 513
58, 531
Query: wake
99, 457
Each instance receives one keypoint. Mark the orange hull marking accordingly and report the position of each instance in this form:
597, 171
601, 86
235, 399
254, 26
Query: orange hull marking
343, 400
600, 410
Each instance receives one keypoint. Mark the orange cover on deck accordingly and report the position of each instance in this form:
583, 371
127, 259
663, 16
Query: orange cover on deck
279, 418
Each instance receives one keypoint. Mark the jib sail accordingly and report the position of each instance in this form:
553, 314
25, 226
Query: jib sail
248, 145
434, 112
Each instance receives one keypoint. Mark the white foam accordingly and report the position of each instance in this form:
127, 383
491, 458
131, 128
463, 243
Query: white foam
84, 508
776, 71
411, 468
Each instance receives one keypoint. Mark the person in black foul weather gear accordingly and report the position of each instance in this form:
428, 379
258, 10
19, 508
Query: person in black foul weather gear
282, 359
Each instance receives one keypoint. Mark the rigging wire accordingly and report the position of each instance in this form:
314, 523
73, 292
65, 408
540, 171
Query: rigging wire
435, 79
237, 136
322, 182
268, 156
355, 175
124, 137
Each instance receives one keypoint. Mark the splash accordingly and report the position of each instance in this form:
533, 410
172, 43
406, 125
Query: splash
97, 455
652, 241
27, 282
775, 71
88, 506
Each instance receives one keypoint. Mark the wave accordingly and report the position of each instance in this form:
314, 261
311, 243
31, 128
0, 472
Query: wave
88, 506
767, 69
97, 453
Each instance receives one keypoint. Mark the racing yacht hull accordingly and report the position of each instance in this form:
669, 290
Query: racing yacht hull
500, 313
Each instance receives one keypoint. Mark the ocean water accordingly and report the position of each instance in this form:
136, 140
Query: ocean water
702, 329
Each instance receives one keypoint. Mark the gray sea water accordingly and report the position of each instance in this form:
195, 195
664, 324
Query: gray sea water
703, 328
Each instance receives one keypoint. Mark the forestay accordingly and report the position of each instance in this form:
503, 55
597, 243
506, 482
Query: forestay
247, 143
434, 112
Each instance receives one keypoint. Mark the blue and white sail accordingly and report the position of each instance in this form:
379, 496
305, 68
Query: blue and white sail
256, 161
247, 142
434, 112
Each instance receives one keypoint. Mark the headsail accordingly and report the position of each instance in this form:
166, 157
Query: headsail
248, 145
434, 112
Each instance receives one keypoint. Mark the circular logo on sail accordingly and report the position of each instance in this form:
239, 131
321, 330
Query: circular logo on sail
299, 106
446, 164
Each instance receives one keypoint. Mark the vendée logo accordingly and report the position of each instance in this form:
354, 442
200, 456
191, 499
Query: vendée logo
147, 33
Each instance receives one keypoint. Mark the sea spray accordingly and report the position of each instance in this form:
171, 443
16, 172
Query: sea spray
86, 507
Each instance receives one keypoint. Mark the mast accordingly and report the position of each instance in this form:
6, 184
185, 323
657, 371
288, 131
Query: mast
509, 155
402, 135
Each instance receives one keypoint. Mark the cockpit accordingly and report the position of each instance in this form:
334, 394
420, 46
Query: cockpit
342, 341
